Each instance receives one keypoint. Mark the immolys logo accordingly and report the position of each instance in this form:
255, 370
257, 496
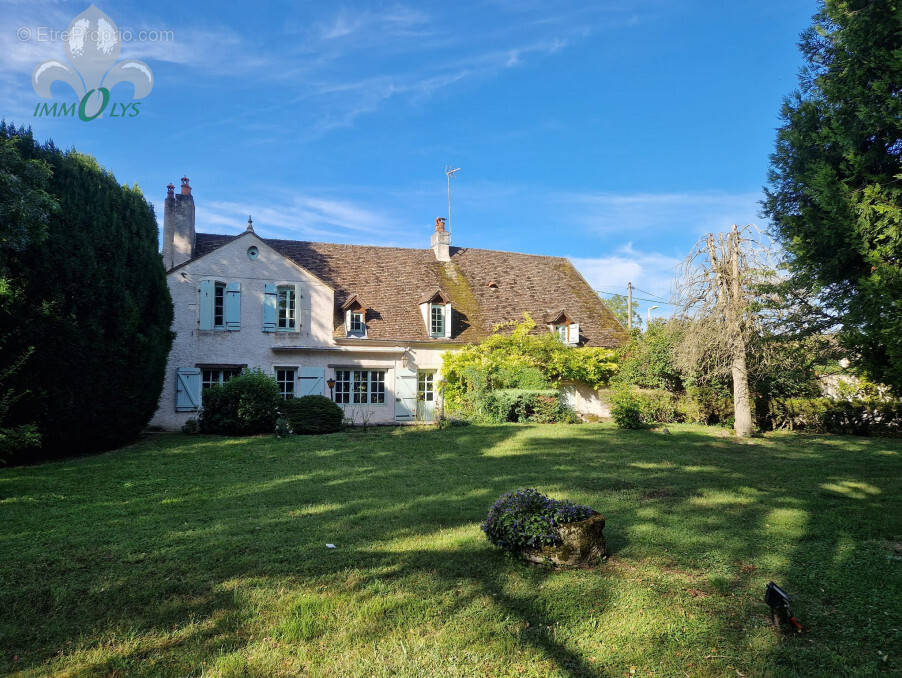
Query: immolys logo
92, 44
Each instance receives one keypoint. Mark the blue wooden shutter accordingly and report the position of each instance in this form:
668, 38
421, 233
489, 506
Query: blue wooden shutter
206, 304
233, 306
187, 389
311, 381
270, 307
405, 393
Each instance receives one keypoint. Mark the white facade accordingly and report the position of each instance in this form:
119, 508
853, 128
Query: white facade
310, 352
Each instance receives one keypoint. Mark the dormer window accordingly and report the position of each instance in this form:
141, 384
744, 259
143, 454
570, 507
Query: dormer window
562, 326
437, 320
355, 317
436, 310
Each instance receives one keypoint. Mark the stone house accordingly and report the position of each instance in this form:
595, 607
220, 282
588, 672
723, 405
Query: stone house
366, 326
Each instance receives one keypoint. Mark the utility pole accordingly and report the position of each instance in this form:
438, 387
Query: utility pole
629, 306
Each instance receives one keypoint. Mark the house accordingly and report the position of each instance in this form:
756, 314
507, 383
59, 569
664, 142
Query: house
366, 326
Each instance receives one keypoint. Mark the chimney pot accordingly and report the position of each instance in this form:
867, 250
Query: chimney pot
186, 188
170, 190
440, 223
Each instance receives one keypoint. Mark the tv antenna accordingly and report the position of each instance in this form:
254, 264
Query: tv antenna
450, 172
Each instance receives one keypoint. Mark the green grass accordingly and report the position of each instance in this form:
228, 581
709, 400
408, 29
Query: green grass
202, 556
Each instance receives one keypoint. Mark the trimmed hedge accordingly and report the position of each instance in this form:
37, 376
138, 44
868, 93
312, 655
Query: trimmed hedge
312, 414
245, 405
542, 406
823, 415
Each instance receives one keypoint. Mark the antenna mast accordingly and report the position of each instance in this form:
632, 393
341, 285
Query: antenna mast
450, 172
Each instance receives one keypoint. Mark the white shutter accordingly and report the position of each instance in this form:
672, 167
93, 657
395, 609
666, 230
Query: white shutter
447, 321
573, 335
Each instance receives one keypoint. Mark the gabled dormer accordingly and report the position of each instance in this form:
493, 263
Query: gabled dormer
436, 311
355, 317
562, 326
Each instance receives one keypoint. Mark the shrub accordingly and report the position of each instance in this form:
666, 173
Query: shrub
313, 414
190, 426
626, 409
705, 405
823, 415
529, 519
521, 405
247, 404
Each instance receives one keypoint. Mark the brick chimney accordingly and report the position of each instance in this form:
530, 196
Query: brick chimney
441, 241
178, 225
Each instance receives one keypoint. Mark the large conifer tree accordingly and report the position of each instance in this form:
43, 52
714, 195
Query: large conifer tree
836, 177
92, 308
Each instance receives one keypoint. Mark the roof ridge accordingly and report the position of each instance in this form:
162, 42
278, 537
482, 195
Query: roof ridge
386, 247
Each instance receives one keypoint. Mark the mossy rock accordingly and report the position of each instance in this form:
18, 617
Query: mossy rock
582, 543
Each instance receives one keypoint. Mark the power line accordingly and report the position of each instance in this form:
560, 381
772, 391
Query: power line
654, 301
651, 294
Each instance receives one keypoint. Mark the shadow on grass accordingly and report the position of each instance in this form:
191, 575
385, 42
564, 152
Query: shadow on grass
148, 542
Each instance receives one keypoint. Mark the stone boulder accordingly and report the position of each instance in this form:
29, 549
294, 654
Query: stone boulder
582, 544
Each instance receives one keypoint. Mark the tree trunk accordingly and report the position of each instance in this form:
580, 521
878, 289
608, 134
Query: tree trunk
742, 403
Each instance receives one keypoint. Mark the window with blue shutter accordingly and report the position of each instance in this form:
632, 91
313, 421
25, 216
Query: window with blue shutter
187, 389
205, 307
233, 306
270, 305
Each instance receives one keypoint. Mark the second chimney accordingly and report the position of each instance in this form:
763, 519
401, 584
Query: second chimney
178, 225
441, 241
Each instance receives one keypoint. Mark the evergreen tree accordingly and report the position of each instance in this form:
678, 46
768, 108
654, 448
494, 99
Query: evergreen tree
93, 308
835, 181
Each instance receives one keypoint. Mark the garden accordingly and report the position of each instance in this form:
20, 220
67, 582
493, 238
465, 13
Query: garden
207, 556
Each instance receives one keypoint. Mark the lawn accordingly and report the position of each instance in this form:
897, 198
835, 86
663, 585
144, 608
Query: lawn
203, 556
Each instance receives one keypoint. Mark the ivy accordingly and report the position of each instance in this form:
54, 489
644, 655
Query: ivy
514, 356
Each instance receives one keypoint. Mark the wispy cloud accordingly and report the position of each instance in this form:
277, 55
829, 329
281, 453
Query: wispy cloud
692, 212
303, 217
650, 271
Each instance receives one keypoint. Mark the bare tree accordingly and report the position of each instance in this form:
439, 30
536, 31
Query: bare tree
714, 296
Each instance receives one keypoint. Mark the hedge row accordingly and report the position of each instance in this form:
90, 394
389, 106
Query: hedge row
631, 408
542, 406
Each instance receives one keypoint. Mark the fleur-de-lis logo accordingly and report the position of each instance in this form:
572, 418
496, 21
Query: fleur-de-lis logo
93, 43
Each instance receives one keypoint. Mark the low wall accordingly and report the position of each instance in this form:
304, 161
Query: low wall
585, 400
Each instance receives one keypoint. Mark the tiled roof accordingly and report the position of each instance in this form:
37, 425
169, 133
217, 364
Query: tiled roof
486, 287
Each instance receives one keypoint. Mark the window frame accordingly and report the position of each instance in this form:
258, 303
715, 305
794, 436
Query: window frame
432, 320
219, 305
282, 314
220, 375
355, 386
290, 380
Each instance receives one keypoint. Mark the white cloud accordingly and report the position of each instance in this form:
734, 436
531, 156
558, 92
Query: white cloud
693, 213
649, 271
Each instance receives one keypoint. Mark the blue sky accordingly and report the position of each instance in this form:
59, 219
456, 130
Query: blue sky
613, 133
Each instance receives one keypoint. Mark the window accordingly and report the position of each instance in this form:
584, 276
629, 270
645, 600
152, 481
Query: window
426, 386
360, 387
217, 375
438, 321
342, 386
563, 332
287, 308
356, 322
219, 306
285, 377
